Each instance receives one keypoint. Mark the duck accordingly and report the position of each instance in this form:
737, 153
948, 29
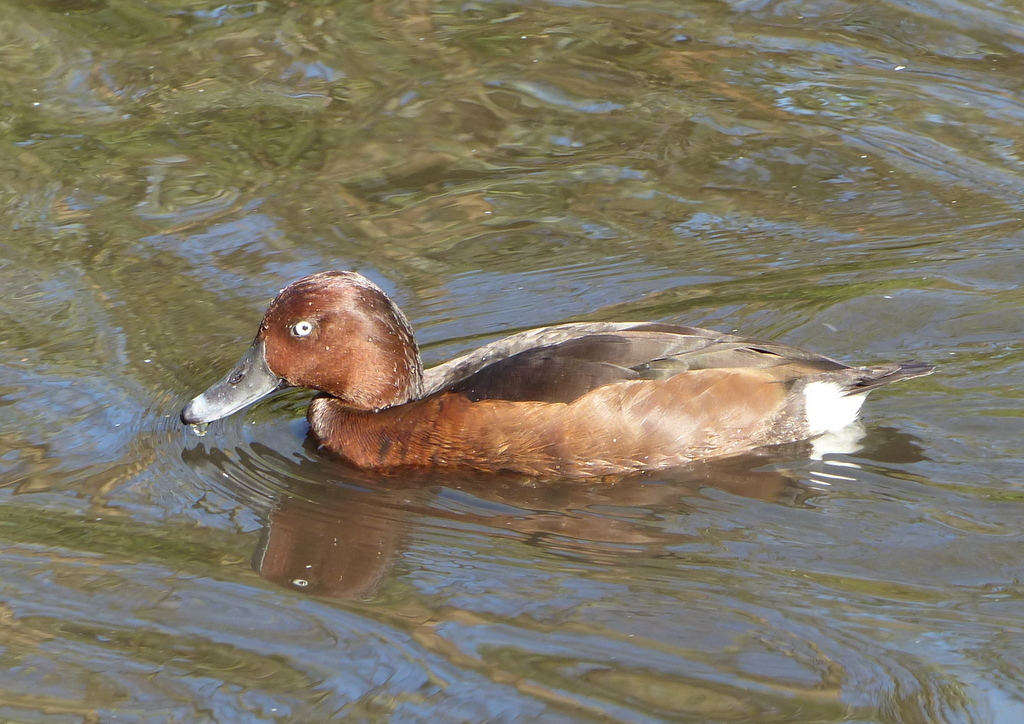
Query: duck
576, 400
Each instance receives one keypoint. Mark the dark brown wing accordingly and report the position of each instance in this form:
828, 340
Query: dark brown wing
555, 373
565, 370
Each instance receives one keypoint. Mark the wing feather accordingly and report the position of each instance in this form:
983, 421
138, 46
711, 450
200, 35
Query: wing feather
560, 364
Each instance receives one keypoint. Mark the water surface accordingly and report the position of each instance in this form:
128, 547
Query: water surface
840, 176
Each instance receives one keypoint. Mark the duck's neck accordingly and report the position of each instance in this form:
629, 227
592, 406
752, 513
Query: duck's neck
402, 381
384, 362
384, 366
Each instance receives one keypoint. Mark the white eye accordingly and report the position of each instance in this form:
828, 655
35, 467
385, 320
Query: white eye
302, 329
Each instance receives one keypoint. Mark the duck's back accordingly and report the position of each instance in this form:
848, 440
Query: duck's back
595, 399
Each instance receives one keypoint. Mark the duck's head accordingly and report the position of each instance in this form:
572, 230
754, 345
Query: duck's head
336, 332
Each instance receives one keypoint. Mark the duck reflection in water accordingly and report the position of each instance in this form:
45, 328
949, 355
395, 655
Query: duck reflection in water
341, 540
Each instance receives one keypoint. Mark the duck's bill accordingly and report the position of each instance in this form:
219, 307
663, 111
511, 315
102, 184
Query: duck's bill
248, 381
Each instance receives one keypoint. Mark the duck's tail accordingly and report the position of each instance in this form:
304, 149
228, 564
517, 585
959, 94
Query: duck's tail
866, 379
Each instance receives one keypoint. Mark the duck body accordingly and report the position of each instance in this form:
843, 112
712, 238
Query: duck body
571, 401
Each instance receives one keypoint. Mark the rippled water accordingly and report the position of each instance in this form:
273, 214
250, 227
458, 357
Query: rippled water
842, 176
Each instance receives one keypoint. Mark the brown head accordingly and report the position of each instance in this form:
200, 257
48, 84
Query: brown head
339, 333
336, 332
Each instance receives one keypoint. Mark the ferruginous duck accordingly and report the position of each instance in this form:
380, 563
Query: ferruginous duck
569, 401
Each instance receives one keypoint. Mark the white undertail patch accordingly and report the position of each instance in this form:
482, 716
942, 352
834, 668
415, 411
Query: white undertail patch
827, 408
